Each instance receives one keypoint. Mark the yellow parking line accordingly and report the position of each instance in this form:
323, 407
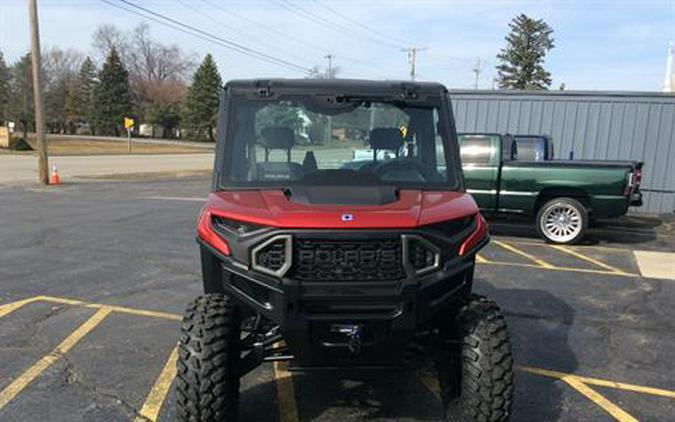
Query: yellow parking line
142, 312
288, 410
600, 382
630, 387
587, 258
618, 413
63, 301
570, 269
601, 247
121, 309
8, 308
34, 371
520, 252
153, 403
480, 259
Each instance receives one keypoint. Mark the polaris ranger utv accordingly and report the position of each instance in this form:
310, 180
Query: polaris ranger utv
327, 260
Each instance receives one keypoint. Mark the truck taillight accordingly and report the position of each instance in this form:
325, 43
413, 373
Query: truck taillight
633, 181
207, 234
476, 237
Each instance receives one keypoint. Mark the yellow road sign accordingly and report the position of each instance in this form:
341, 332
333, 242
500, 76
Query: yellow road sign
128, 123
404, 130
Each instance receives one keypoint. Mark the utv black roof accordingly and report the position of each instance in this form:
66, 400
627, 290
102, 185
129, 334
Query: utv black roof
337, 86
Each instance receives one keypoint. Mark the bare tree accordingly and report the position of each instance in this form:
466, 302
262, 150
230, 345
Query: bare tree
60, 69
106, 37
152, 65
60, 64
317, 72
152, 60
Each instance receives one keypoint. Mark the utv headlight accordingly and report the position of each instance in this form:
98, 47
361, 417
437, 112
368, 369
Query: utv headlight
236, 227
452, 227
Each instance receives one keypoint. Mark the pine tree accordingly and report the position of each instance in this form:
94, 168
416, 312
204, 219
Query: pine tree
80, 104
113, 98
202, 100
523, 58
4, 89
21, 104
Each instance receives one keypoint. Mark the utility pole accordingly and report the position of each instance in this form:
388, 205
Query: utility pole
43, 163
330, 65
477, 69
412, 58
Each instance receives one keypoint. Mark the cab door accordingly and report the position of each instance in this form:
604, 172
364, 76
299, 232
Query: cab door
480, 156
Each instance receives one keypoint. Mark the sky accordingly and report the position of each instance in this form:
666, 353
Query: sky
599, 45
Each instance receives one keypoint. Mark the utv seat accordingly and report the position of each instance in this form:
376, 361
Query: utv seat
383, 138
278, 137
309, 163
386, 138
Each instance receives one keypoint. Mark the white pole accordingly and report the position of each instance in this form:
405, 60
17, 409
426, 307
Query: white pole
668, 83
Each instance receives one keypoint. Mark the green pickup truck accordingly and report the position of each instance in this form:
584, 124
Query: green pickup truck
561, 195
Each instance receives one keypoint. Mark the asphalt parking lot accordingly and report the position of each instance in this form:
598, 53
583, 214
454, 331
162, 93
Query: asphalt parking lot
94, 277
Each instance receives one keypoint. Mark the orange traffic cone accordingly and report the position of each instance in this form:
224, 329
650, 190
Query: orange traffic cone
55, 179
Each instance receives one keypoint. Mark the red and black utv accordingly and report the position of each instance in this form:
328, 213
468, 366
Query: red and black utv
329, 258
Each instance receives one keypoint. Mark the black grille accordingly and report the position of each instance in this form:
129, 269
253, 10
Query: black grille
347, 260
271, 256
420, 255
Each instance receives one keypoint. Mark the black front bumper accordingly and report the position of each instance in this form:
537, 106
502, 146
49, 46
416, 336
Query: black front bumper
389, 312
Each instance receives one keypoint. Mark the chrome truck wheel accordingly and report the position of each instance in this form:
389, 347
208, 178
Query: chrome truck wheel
562, 221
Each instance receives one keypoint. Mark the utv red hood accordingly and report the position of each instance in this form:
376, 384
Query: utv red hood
272, 208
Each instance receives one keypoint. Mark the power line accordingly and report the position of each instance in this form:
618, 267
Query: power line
296, 39
189, 29
268, 28
323, 22
237, 30
343, 30
396, 41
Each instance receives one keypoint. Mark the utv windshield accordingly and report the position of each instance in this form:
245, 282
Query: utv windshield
318, 140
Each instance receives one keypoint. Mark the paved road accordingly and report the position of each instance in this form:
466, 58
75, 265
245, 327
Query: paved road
23, 168
156, 141
109, 267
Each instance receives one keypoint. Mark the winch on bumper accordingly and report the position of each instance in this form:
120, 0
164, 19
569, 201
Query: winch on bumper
344, 297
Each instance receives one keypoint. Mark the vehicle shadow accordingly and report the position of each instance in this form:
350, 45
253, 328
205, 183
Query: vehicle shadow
359, 395
633, 229
539, 324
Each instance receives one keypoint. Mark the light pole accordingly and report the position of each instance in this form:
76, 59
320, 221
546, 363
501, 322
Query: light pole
477, 69
329, 74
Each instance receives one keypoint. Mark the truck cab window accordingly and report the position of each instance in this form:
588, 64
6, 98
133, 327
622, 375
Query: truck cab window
478, 150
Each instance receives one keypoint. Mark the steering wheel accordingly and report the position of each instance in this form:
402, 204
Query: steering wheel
398, 164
